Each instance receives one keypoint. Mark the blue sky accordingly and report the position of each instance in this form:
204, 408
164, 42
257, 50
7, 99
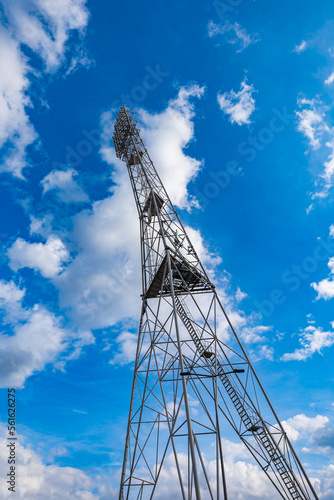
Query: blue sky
234, 100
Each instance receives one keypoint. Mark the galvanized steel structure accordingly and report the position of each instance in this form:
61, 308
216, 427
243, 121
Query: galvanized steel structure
192, 375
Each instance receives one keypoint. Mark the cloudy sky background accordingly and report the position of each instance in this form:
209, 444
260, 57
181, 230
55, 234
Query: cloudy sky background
234, 102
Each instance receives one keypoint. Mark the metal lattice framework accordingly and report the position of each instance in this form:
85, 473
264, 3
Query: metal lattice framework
192, 374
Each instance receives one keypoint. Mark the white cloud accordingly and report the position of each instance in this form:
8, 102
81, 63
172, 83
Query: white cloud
301, 47
312, 124
311, 121
166, 135
208, 259
309, 209
10, 301
239, 296
244, 479
16, 130
329, 167
238, 105
48, 258
37, 337
127, 346
36, 481
102, 284
303, 426
233, 33
325, 288
312, 340
330, 79
325, 485
261, 351
42, 226
266, 352
315, 432
44, 26
254, 334
67, 189
34, 344
328, 174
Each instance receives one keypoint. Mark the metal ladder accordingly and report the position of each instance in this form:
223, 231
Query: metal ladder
184, 314
266, 439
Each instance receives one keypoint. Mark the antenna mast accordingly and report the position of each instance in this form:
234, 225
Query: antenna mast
192, 374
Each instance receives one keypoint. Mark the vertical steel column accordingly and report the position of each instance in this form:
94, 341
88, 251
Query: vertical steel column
218, 436
130, 411
184, 385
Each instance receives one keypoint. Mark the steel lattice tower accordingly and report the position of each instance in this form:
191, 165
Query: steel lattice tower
192, 375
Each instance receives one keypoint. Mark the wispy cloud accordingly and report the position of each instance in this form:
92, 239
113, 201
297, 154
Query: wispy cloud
312, 123
126, 344
309, 208
254, 334
45, 27
64, 185
238, 105
301, 47
240, 295
330, 79
325, 288
312, 340
266, 352
16, 130
311, 120
233, 34
328, 173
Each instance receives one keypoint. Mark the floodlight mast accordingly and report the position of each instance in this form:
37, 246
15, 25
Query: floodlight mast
191, 371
